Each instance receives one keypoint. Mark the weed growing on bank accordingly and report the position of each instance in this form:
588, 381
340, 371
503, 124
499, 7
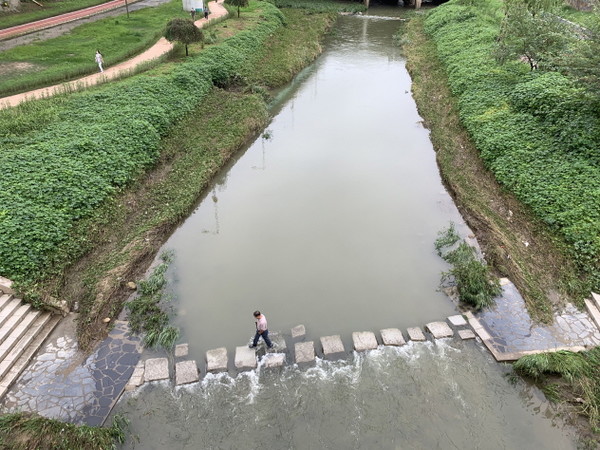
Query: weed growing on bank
21, 431
475, 284
147, 315
321, 6
580, 371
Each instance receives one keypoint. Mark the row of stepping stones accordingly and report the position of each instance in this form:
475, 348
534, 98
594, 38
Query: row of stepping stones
217, 360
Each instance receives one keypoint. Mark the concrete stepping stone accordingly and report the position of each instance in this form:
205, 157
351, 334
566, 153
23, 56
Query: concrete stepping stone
216, 360
415, 334
245, 358
466, 334
439, 330
298, 331
364, 340
305, 352
156, 369
273, 360
392, 336
457, 320
137, 377
279, 345
181, 350
332, 345
186, 372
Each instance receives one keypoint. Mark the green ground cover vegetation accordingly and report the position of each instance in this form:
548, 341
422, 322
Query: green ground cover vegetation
31, 12
72, 55
75, 152
334, 6
20, 431
538, 131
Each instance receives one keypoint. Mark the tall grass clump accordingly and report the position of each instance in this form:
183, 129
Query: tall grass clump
146, 314
92, 145
581, 371
321, 6
22, 431
475, 284
537, 131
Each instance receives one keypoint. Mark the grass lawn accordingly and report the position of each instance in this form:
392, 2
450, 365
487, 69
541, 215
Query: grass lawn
31, 12
72, 55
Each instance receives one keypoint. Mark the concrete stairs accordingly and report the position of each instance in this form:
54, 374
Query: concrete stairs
22, 332
593, 307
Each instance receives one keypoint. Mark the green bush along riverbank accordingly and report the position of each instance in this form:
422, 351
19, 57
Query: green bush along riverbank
537, 131
167, 131
71, 55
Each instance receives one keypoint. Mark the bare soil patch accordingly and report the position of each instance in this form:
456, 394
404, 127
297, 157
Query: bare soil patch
15, 68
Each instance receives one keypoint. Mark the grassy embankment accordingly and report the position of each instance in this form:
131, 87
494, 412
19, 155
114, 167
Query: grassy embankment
522, 237
26, 432
31, 12
72, 55
114, 193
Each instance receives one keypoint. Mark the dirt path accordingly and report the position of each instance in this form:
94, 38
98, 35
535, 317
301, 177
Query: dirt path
49, 22
123, 69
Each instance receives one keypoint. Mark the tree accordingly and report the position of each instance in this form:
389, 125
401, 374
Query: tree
529, 31
238, 3
184, 31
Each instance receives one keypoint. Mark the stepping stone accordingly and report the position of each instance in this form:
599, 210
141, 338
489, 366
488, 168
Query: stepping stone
392, 336
305, 352
466, 334
596, 299
156, 369
273, 360
245, 358
137, 377
457, 320
186, 372
298, 331
439, 330
216, 360
278, 342
332, 345
364, 340
181, 350
415, 334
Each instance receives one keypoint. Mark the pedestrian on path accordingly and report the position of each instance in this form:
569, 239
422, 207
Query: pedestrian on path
99, 60
206, 13
193, 13
261, 330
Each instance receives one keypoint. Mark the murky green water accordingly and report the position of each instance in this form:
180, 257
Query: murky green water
330, 223
422, 396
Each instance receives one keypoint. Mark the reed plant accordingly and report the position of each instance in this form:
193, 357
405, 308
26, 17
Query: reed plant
580, 371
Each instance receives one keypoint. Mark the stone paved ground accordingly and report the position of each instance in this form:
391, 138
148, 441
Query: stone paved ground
511, 330
62, 384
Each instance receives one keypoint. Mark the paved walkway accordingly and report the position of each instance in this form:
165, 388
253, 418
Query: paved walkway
123, 69
508, 331
63, 384
50, 22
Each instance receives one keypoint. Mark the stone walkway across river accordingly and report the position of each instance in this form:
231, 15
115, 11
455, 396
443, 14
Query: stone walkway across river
64, 384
